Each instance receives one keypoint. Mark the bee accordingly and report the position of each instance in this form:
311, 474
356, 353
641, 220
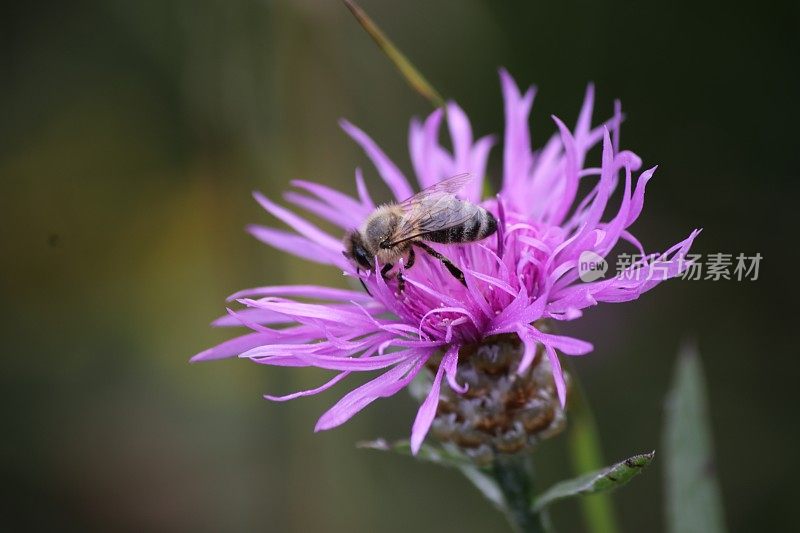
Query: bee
434, 214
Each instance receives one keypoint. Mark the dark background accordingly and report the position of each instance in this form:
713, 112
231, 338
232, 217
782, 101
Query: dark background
132, 134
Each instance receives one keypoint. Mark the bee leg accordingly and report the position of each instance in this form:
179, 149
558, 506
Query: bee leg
411, 258
365, 286
401, 281
358, 271
454, 270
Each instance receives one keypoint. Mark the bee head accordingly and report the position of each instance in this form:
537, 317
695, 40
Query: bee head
357, 252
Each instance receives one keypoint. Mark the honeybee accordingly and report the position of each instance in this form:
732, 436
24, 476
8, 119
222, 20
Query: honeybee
434, 214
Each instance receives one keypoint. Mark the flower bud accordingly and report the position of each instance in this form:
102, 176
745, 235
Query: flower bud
502, 411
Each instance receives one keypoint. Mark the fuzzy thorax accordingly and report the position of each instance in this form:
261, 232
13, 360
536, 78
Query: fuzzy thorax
376, 231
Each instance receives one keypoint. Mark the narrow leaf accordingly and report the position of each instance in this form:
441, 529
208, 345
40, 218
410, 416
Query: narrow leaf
694, 502
485, 484
426, 452
407, 70
603, 480
444, 457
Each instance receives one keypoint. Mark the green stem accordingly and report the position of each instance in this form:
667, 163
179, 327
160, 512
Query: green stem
587, 456
514, 475
409, 72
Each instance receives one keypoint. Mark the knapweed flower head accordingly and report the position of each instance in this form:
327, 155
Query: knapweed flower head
523, 276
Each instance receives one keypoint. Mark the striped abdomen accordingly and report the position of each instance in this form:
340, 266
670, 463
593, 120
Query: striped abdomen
481, 225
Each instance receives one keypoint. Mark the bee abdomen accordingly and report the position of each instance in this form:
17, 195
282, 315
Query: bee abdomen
478, 227
488, 225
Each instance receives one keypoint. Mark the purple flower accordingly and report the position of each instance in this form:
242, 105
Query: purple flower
526, 272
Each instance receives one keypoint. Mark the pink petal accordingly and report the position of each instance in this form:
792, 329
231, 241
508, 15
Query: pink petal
363, 193
299, 246
304, 291
427, 411
570, 182
529, 353
517, 157
395, 179
584, 123
426, 154
617, 225
461, 135
300, 225
368, 364
343, 218
477, 163
637, 202
310, 392
450, 362
297, 310
384, 385
618, 118
334, 198
558, 374
256, 316
568, 345
233, 347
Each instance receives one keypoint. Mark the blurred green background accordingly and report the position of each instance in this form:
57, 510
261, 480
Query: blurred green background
132, 135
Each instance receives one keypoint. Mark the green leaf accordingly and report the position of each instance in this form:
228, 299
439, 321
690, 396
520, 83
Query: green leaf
445, 457
416, 80
485, 484
694, 502
488, 191
427, 452
600, 481
586, 455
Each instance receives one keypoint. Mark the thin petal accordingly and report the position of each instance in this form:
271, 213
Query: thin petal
568, 345
310, 392
570, 182
450, 362
363, 193
345, 219
529, 345
299, 224
463, 157
384, 385
297, 310
584, 122
256, 316
233, 347
427, 156
558, 374
517, 157
333, 197
395, 179
368, 364
304, 291
295, 245
427, 411
637, 202
477, 166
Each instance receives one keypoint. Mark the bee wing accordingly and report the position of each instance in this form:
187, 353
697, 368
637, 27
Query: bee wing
448, 186
433, 209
